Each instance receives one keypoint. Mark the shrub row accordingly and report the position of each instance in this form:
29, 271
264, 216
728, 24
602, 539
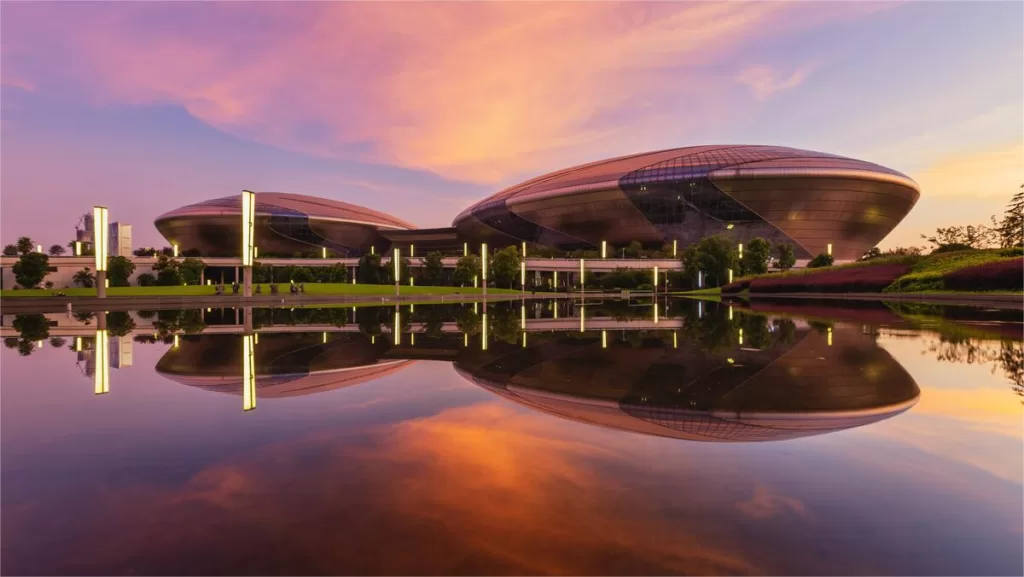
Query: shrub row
999, 275
736, 287
841, 280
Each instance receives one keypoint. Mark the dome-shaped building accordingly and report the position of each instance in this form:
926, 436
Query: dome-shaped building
286, 224
808, 199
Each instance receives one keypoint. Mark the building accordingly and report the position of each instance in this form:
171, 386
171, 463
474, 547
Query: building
810, 200
286, 225
816, 202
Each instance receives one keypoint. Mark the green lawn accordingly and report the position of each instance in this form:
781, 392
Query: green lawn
311, 289
704, 291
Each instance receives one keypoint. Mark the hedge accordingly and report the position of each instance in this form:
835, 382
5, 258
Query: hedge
998, 275
840, 280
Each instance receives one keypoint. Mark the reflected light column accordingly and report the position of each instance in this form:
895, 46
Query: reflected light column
101, 376
248, 373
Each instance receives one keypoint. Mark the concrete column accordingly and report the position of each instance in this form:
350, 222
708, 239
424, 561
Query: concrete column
101, 320
247, 321
247, 274
202, 277
101, 284
237, 278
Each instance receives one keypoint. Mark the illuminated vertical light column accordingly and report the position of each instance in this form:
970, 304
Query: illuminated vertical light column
396, 258
39, 248
248, 373
524, 249
655, 279
475, 281
476, 308
741, 336
323, 252
524, 339
78, 248
398, 326
176, 341
583, 316
655, 312
740, 248
604, 249
700, 309
102, 244
174, 249
412, 339
730, 275
730, 312
522, 317
582, 272
373, 249
248, 239
101, 376
483, 335
325, 337
465, 249
828, 248
604, 339
675, 248
522, 275
675, 340
412, 251
483, 266
556, 280
256, 338
78, 344
465, 339
830, 336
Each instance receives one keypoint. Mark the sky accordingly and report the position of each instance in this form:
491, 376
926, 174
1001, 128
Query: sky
420, 109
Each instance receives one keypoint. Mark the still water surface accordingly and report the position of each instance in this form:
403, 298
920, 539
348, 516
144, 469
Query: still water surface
698, 438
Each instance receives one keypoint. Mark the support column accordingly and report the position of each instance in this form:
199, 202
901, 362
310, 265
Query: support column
237, 278
247, 274
101, 283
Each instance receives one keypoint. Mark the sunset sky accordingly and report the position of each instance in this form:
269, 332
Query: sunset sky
419, 109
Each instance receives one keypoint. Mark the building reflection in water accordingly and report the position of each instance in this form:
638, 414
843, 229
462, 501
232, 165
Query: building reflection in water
709, 374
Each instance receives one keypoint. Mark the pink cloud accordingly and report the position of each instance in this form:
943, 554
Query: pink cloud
480, 92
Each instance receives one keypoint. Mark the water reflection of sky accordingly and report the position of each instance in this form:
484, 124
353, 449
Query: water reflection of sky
422, 472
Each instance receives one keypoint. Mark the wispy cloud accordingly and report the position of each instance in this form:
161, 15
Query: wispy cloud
469, 91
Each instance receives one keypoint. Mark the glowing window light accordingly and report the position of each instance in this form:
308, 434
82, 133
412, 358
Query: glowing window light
99, 223
101, 376
248, 373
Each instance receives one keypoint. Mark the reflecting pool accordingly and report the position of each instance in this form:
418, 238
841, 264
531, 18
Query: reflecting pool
535, 437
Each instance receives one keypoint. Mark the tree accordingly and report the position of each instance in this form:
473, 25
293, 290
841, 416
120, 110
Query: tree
170, 276
25, 245
505, 266
302, 274
31, 269
634, 249
336, 273
466, 269
11, 250
973, 236
84, 278
145, 279
369, 271
786, 259
119, 270
712, 255
1011, 228
433, 269
120, 323
822, 260
756, 255
56, 250
150, 251
192, 270
33, 327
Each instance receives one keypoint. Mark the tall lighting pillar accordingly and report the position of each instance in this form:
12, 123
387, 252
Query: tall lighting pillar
248, 373
102, 244
524, 250
675, 248
581, 275
483, 266
248, 239
398, 269
101, 376
604, 249
522, 275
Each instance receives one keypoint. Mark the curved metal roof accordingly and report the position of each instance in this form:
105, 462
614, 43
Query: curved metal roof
280, 203
716, 161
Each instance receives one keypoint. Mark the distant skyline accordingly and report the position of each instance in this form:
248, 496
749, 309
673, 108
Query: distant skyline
420, 109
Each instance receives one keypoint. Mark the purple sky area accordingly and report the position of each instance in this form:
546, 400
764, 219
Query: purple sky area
420, 109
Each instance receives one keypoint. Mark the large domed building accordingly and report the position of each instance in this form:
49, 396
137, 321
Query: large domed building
808, 199
286, 224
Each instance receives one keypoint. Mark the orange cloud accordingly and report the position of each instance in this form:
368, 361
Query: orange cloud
470, 91
995, 172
